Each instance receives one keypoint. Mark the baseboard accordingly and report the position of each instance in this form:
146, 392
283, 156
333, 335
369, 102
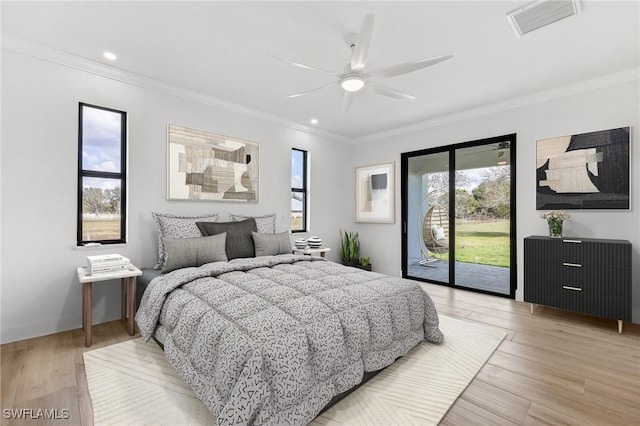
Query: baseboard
30, 330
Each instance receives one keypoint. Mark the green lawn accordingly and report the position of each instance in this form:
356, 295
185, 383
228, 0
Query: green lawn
482, 242
94, 230
296, 223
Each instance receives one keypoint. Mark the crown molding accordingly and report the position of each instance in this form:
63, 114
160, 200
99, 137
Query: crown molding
546, 95
21, 46
24, 47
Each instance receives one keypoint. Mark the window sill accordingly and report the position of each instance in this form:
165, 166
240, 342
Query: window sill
100, 246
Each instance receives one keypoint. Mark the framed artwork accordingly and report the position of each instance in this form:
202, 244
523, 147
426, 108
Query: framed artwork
584, 171
207, 166
375, 201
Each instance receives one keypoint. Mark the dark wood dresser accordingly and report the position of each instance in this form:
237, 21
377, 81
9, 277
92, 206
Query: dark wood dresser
586, 275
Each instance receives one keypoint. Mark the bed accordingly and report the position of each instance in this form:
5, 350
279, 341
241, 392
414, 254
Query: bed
273, 339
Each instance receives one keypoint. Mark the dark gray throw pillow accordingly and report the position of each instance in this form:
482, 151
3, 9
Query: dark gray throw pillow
239, 240
271, 244
186, 252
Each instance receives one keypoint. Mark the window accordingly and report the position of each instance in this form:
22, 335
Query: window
299, 195
102, 180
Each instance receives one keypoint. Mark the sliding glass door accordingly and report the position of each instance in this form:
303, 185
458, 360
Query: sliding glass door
458, 212
428, 204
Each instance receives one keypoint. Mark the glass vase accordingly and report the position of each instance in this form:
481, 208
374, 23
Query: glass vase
555, 228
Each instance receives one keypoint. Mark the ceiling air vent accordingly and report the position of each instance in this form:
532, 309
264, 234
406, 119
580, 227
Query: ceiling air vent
541, 13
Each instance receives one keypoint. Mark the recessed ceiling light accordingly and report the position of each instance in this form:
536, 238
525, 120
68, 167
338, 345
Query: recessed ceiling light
314, 121
110, 56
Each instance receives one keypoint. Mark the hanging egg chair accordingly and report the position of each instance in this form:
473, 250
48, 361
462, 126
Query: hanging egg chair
433, 227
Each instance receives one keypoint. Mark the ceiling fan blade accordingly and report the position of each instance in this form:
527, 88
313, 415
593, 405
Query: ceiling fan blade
381, 89
303, 66
346, 100
501, 147
361, 50
407, 67
295, 95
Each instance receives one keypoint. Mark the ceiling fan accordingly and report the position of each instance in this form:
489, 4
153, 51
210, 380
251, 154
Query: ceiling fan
501, 147
354, 78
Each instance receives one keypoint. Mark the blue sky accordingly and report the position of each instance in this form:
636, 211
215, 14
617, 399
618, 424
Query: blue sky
296, 169
101, 132
101, 140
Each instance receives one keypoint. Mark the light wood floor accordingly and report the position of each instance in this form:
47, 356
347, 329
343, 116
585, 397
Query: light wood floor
553, 368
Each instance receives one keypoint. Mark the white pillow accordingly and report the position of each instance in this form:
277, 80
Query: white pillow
177, 226
266, 224
438, 232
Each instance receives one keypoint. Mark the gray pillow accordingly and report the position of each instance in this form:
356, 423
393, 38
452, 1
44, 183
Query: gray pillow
239, 240
271, 244
266, 224
186, 252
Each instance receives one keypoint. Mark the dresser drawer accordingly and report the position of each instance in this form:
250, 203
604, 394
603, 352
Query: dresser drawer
596, 254
598, 301
591, 277
593, 301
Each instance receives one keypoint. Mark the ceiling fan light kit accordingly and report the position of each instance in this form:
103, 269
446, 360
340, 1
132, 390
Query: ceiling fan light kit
502, 161
352, 82
355, 79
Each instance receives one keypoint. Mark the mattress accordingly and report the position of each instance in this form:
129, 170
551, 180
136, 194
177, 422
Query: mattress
143, 282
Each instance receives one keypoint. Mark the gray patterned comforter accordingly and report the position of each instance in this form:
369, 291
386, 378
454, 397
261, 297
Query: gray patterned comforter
270, 340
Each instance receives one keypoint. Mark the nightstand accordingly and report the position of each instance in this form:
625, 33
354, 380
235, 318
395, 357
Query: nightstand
311, 251
127, 289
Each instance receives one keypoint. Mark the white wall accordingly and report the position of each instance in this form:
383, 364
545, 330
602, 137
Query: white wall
40, 293
40, 290
599, 109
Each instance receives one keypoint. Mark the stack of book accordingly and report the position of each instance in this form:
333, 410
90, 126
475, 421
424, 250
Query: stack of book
107, 263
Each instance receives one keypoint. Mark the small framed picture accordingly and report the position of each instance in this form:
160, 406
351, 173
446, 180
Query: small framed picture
375, 201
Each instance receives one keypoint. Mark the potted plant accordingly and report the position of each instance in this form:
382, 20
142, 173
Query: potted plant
351, 251
364, 263
350, 248
555, 220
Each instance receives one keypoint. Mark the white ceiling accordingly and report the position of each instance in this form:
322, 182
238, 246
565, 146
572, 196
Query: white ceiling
221, 50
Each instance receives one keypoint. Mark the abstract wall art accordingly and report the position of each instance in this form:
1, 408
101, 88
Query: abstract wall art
207, 166
583, 171
375, 193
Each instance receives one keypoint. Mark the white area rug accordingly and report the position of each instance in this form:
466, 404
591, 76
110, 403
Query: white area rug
132, 383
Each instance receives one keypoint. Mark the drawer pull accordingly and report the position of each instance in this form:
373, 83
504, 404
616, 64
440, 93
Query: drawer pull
573, 265
568, 287
572, 241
